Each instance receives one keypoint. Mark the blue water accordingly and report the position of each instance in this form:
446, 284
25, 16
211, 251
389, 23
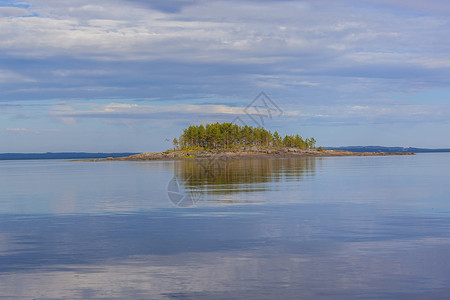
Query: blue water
304, 228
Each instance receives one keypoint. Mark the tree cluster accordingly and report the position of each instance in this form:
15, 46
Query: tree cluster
229, 135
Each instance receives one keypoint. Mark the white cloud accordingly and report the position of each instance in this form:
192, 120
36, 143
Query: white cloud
13, 77
215, 31
13, 12
308, 83
134, 111
21, 130
362, 114
16, 129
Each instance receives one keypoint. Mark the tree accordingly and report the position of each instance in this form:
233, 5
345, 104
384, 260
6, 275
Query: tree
227, 135
311, 143
276, 139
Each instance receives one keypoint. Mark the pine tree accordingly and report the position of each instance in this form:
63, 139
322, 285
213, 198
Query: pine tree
217, 135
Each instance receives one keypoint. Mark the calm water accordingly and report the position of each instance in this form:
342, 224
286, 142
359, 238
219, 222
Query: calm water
305, 228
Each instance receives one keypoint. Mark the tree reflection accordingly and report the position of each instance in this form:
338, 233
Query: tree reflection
225, 176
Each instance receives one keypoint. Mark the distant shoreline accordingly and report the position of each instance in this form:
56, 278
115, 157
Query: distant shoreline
389, 149
61, 155
238, 154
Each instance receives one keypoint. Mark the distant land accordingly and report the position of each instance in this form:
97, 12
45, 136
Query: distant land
61, 155
387, 149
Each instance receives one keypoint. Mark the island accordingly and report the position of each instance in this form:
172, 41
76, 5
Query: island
232, 141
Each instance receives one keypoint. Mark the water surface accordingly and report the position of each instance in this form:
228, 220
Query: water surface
297, 228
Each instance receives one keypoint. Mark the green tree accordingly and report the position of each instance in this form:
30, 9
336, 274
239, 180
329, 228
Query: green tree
229, 135
276, 139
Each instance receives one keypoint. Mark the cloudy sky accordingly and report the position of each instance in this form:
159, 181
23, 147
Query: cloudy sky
125, 75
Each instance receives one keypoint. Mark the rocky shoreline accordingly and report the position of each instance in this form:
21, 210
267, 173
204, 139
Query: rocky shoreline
246, 153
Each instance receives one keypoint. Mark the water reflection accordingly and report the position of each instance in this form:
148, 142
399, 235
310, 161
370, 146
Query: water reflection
338, 228
306, 252
222, 179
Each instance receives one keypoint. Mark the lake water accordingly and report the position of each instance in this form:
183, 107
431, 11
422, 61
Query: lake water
303, 228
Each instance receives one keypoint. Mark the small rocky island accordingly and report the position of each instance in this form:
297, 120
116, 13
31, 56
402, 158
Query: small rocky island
251, 153
228, 140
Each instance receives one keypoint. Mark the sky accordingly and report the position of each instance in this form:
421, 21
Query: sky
129, 75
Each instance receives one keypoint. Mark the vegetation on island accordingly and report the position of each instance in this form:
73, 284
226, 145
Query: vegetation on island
232, 136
